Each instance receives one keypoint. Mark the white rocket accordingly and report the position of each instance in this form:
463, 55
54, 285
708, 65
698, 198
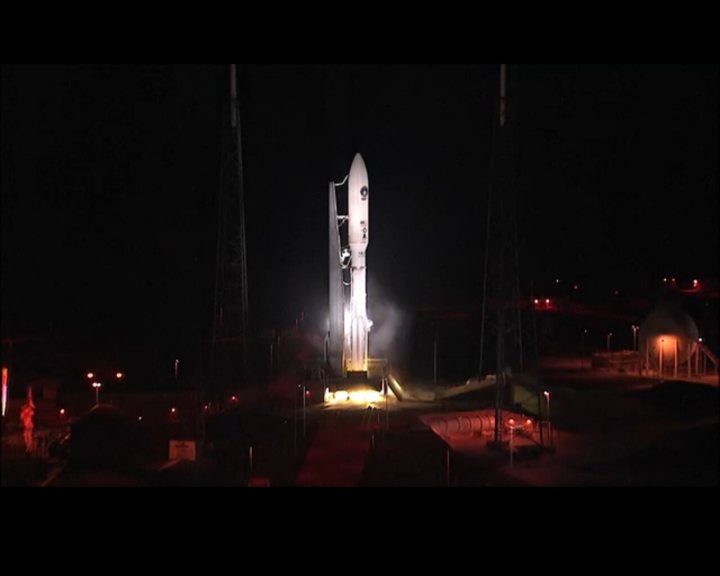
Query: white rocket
356, 330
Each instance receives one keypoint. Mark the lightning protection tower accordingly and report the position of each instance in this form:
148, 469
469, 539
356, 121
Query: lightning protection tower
501, 305
229, 354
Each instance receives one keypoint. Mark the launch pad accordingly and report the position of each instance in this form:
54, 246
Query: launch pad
361, 387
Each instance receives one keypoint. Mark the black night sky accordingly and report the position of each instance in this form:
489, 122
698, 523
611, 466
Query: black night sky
110, 176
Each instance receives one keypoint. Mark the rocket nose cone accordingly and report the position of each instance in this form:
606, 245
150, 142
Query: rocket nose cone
358, 167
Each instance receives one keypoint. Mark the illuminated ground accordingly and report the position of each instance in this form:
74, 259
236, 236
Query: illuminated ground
609, 429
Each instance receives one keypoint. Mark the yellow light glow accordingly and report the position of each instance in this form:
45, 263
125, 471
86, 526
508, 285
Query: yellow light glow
365, 396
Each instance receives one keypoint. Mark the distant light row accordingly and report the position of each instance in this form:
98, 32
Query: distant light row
695, 282
666, 280
118, 375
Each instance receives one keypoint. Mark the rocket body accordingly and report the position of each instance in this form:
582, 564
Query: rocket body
359, 235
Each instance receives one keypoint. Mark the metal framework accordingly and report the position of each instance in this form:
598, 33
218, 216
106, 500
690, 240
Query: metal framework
229, 354
501, 279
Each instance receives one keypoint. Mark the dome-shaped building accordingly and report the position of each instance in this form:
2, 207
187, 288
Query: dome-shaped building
668, 339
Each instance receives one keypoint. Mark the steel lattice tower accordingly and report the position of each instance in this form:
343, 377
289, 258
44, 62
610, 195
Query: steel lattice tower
229, 354
501, 305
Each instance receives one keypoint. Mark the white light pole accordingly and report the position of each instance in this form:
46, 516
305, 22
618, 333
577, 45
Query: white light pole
635, 331
97, 386
547, 399
609, 336
512, 431
387, 414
